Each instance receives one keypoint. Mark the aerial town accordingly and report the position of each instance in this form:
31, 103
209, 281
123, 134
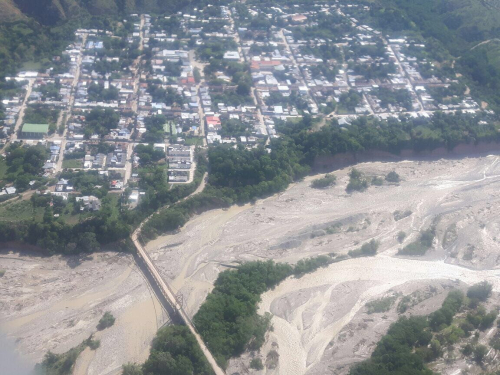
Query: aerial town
156, 88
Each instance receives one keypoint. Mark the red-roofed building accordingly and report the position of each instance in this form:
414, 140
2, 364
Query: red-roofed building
213, 122
264, 65
187, 81
299, 18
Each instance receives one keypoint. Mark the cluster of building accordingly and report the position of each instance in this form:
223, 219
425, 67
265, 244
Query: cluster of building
208, 81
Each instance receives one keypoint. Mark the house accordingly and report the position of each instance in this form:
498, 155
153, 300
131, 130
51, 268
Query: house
134, 196
63, 185
116, 185
98, 161
116, 160
232, 56
48, 167
180, 164
90, 203
213, 122
179, 152
159, 147
299, 18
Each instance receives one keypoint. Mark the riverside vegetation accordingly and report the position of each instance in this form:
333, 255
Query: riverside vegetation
236, 176
414, 341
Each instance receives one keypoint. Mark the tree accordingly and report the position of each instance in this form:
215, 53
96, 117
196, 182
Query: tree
480, 291
175, 351
243, 89
155, 131
197, 75
101, 121
479, 352
87, 242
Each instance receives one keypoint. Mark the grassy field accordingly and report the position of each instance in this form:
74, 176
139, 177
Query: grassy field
17, 210
31, 65
342, 111
72, 163
196, 141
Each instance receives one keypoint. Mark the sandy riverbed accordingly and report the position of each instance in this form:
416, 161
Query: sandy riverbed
460, 196
50, 304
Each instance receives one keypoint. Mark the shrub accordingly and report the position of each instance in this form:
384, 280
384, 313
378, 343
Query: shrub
468, 349
378, 181
467, 328
322, 183
304, 266
106, 321
2, 272
401, 236
366, 250
399, 215
380, 305
488, 320
392, 177
356, 181
256, 364
94, 344
421, 245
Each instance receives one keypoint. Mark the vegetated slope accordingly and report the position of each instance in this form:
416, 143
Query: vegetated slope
35, 30
452, 28
458, 24
9, 11
473, 19
482, 65
51, 12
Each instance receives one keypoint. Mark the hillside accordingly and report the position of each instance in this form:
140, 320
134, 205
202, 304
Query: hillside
473, 19
49, 12
453, 28
9, 12
36, 30
52, 12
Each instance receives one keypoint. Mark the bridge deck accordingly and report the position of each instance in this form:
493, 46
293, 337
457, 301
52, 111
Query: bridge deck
172, 300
